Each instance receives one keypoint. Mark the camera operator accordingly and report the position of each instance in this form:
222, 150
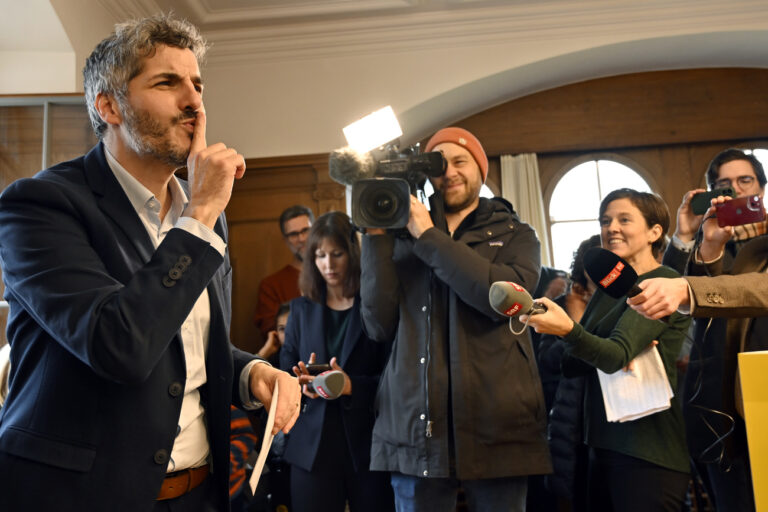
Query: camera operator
460, 403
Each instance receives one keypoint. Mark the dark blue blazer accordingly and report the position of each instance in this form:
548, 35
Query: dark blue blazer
361, 358
97, 364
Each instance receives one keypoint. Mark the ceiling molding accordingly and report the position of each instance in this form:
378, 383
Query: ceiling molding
487, 26
207, 14
271, 31
130, 9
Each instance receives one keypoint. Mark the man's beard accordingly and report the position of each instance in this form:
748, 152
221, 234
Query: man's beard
148, 136
456, 203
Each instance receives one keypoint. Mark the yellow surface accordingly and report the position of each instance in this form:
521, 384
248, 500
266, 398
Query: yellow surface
753, 371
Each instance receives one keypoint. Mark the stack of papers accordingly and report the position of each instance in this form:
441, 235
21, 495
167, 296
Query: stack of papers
266, 442
645, 390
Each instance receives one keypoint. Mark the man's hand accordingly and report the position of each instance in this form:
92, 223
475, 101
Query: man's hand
687, 221
715, 237
262, 380
211, 171
554, 321
419, 220
660, 297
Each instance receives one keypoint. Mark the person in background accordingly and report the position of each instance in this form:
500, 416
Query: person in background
638, 465
445, 418
329, 448
283, 285
722, 462
117, 276
564, 396
275, 338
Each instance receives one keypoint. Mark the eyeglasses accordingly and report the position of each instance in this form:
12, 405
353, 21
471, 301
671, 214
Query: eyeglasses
743, 181
294, 235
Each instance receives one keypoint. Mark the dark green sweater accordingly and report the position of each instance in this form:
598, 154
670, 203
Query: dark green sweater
611, 334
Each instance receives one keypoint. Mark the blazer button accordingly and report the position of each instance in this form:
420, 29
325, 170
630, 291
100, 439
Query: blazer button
161, 456
175, 273
184, 260
175, 389
168, 282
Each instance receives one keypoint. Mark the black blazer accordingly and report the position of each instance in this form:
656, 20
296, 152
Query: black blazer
98, 368
362, 359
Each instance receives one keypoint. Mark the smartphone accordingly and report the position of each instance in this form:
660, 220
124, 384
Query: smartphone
316, 369
742, 210
701, 202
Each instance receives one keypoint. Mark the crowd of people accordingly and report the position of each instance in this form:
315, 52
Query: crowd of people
124, 392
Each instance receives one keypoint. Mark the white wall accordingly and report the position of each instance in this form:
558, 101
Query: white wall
37, 72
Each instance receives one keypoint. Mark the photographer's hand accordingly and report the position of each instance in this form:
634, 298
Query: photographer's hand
419, 220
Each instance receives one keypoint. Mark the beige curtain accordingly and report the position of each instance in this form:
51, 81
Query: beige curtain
520, 185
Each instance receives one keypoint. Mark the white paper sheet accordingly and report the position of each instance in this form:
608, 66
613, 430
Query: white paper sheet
641, 392
266, 443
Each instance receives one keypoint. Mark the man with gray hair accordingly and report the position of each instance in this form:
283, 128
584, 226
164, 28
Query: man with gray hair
118, 279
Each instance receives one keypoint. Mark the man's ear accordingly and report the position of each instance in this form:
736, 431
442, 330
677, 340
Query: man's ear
108, 109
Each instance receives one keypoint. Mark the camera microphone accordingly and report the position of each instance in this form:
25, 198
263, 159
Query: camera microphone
346, 166
511, 299
328, 385
611, 273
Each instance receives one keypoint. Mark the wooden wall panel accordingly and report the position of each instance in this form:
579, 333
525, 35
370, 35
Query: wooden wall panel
256, 245
21, 142
71, 132
640, 109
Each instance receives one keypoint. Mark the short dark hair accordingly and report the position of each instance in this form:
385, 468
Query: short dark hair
653, 208
119, 58
577, 265
294, 211
729, 155
282, 309
336, 227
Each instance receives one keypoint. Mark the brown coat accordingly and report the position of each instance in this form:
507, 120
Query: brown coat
739, 297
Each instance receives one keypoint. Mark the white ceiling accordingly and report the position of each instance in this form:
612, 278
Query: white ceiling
294, 71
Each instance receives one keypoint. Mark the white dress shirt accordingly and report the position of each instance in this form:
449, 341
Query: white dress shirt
191, 447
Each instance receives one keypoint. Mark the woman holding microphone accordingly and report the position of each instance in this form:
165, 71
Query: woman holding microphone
639, 465
329, 447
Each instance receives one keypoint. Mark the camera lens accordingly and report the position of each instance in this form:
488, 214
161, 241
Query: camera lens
380, 202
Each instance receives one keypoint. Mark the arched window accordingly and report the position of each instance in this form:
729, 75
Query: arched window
573, 207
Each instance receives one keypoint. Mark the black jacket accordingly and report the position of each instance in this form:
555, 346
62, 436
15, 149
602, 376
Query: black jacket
457, 377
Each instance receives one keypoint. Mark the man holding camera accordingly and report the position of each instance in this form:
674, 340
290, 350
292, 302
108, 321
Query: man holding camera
711, 373
460, 402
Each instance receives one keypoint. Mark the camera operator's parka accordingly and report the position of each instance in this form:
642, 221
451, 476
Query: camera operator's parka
452, 350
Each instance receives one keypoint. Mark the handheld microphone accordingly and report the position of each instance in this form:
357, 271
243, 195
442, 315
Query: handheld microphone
611, 273
346, 166
328, 385
511, 299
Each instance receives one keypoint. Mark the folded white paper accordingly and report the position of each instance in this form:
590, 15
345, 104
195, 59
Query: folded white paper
265, 444
640, 392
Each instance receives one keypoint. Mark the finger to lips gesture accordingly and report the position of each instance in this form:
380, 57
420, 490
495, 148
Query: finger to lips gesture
211, 174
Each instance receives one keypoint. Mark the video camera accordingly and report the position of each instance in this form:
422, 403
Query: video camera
383, 180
